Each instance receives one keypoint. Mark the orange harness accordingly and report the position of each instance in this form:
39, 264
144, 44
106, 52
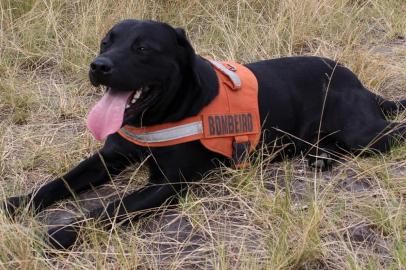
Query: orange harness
228, 125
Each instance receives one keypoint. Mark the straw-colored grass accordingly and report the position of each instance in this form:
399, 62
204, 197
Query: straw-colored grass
271, 216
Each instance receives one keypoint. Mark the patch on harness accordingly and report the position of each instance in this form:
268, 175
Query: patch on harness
229, 124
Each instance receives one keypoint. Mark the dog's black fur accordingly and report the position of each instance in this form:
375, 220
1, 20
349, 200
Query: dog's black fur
294, 93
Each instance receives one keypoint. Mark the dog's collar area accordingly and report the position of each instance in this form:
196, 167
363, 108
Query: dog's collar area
229, 125
185, 130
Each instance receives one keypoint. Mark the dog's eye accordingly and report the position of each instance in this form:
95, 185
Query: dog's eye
104, 43
141, 49
108, 39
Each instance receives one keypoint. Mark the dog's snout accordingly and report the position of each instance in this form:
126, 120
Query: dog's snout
101, 66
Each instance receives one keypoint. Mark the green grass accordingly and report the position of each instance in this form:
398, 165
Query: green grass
271, 216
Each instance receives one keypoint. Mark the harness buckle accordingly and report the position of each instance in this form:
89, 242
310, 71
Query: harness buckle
231, 67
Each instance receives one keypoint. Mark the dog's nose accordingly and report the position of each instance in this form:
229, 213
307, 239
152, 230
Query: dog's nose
101, 66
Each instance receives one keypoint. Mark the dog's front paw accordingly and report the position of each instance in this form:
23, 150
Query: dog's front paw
63, 236
322, 162
11, 205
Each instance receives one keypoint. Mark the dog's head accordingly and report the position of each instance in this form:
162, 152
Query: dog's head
142, 65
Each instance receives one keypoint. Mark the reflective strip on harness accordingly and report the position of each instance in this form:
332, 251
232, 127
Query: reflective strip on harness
167, 134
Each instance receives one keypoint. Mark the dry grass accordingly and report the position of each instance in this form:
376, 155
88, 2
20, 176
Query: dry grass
273, 216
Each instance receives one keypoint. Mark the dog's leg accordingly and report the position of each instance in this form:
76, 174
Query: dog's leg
170, 168
322, 154
322, 159
378, 136
96, 170
147, 198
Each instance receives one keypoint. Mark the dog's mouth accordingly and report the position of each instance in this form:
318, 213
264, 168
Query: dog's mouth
140, 100
108, 114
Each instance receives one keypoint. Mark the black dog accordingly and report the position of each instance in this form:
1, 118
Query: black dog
302, 101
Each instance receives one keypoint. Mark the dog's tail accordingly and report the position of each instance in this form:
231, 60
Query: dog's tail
390, 107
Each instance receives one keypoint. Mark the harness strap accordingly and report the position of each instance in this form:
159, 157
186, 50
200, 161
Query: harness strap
187, 130
230, 73
241, 149
168, 134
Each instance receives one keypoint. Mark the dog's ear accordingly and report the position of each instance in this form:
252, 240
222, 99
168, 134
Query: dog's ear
188, 53
180, 32
185, 44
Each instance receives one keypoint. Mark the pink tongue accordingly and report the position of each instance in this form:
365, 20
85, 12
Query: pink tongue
106, 117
